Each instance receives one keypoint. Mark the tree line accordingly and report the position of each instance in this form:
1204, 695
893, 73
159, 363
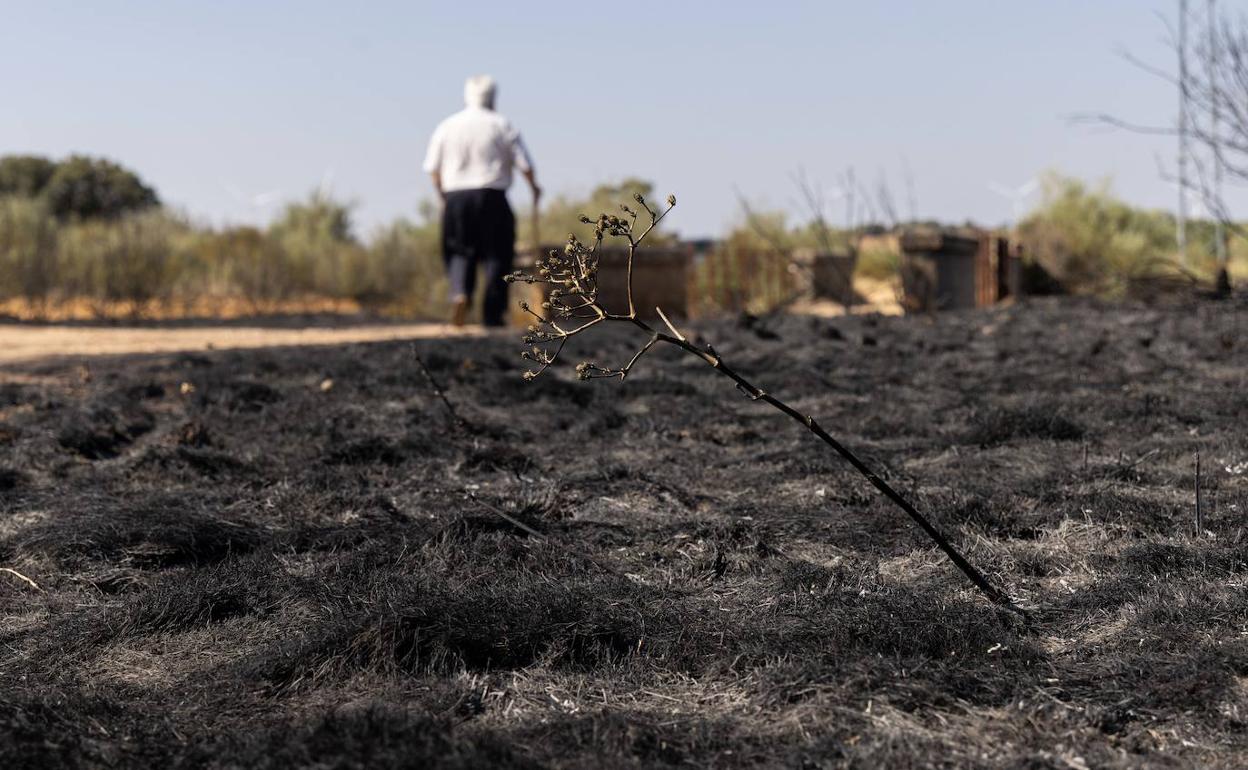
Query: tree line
87, 231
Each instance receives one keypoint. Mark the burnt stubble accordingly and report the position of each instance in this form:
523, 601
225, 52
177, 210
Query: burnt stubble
257, 570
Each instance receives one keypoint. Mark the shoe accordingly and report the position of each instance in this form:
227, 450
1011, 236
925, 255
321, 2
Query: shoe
459, 310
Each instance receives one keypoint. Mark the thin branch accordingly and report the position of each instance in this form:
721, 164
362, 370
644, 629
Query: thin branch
21, 577
663, 315
814, 203
553, 336
758, 394
458, 422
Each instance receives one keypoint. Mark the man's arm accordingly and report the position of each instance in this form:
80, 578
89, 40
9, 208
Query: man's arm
436, 176
530, 176
433, 164
524, 162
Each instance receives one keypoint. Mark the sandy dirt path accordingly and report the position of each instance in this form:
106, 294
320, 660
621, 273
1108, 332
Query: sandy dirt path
28, 343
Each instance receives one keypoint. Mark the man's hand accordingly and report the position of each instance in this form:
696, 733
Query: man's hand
531, 178
436, 176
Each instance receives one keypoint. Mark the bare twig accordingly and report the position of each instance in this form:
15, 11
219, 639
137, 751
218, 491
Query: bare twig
458, 422
21, 577
1200, 514
813, 198
572, 277
1216, 86
780, 249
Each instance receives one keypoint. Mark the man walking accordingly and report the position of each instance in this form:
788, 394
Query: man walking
471, 157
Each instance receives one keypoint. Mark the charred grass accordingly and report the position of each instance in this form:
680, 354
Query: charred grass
258, 570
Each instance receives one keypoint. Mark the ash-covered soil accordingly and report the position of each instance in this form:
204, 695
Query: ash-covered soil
296, 557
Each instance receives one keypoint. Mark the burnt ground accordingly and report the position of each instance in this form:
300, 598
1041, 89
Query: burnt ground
264, 569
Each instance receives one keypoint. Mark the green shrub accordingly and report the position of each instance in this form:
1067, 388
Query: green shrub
24, 175
564, 212
402, 271
880, 264
246, 263
317, 238
1092, 242
88, 188
131, 261
28, 257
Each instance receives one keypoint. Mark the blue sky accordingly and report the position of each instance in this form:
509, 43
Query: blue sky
216, 103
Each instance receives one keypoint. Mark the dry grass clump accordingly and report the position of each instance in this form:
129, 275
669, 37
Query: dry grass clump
1036, 421
1179, 559
104, 430
371, 735
158, 532
426, 625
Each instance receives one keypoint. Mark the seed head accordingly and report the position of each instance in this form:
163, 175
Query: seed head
637, 197
671, 200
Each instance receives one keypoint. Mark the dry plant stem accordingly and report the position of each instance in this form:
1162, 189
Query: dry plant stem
758, 394
457, 421
21, 577
1200, 513
574, 273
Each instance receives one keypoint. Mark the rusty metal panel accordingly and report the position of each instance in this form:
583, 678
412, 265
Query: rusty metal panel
957, 270
941, 270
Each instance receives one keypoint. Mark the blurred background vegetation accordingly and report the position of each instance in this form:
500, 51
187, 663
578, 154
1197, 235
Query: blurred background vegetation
1091, 242
85, 237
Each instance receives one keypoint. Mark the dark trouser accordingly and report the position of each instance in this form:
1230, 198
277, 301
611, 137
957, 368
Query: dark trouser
478, 228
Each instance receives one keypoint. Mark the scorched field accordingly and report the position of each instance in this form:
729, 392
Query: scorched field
305, 557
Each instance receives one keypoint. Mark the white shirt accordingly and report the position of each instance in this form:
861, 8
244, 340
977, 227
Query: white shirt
476, 148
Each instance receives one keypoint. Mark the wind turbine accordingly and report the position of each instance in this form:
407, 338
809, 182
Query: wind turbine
1016, 195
